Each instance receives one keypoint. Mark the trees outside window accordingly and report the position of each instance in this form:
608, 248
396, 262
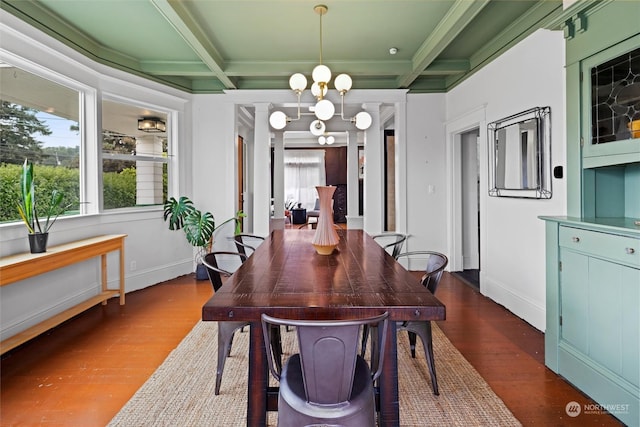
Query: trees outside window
39, 121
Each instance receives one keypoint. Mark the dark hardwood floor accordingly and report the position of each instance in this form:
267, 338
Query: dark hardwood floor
82, 372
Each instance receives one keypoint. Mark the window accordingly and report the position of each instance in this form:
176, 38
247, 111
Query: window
303, 171
134, 155
39, 121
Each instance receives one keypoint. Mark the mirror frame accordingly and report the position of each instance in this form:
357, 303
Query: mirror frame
542, 188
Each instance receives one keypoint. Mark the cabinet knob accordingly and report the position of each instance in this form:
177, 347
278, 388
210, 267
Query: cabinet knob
630, 251
575, 239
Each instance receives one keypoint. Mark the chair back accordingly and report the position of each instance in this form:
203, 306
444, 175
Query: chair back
436, 264
393, 241
215, 273
241, 242
328, 355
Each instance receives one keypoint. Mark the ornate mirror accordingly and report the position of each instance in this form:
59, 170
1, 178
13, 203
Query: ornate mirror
520, 155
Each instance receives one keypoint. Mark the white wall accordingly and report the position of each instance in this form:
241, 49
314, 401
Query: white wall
531, 74
512, 237
426, 181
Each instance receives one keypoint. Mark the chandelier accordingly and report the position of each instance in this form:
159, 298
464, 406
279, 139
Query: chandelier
324, 108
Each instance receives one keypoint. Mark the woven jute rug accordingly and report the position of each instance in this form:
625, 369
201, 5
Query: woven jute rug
180, 392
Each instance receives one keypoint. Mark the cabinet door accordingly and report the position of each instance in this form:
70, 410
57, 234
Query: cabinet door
609, 117
600, 301
631, 325
574, 299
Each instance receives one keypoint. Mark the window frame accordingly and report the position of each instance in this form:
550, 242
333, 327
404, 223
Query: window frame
170, 135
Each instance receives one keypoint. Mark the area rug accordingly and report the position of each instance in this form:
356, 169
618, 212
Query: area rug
180, 392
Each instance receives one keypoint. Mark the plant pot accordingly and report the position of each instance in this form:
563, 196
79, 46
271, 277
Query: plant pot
201, 272
38, 242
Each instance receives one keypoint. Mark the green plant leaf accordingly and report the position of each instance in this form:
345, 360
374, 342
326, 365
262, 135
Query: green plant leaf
239, 216
26, 206
199, 227
177, 210
54, 209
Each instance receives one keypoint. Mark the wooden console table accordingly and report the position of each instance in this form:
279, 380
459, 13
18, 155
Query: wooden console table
22, 266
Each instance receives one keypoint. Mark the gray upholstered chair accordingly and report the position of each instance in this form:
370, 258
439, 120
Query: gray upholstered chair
226, 330
327, 382
315, 212
391, 241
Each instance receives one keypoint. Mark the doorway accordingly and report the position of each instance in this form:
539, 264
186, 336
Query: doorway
241, 178
389, 181
470, 207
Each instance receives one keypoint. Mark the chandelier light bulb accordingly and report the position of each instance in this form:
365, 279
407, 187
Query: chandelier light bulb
322, 140
343, 83
363, 120
330, 139
298, 82
321, 74
315, 90
325, 109
317, 127
278, 120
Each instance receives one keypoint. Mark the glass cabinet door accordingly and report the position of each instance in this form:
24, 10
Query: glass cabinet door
611, 105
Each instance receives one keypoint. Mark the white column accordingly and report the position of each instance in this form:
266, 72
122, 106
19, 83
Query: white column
354, 220
373, 172
400, 136
277, 221
149, 174
261, 171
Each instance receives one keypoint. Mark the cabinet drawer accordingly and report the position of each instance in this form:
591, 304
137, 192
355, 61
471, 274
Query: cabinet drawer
609, 246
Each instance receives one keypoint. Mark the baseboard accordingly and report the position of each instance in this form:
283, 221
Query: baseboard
519, 305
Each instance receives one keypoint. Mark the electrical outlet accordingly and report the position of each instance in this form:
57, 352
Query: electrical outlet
133, 266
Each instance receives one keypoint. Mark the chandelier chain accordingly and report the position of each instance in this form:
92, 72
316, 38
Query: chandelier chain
321, 12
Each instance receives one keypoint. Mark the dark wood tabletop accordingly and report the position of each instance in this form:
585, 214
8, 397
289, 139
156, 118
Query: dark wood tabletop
286, 278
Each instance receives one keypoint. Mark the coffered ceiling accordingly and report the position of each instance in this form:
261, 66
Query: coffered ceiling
207, 46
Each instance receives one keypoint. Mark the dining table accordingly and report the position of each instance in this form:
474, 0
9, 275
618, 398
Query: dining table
286, 278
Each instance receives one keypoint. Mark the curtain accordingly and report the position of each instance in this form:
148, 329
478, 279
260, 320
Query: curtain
303, 170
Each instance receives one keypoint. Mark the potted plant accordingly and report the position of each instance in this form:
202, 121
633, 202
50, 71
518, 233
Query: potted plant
29, 210
198, 227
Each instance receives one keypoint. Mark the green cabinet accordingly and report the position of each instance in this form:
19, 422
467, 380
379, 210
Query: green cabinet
592, 335
593, 310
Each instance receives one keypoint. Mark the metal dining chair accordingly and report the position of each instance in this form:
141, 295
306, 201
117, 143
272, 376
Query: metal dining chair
243, 240
226, 330
436, 263
391, 241
327, 382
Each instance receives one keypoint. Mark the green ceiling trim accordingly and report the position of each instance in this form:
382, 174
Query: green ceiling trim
208, 86
580, 6
184, 24
429, 85
38, 17
356, 68
170, 68
446, 67
460, 14
421, 73
541, 13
